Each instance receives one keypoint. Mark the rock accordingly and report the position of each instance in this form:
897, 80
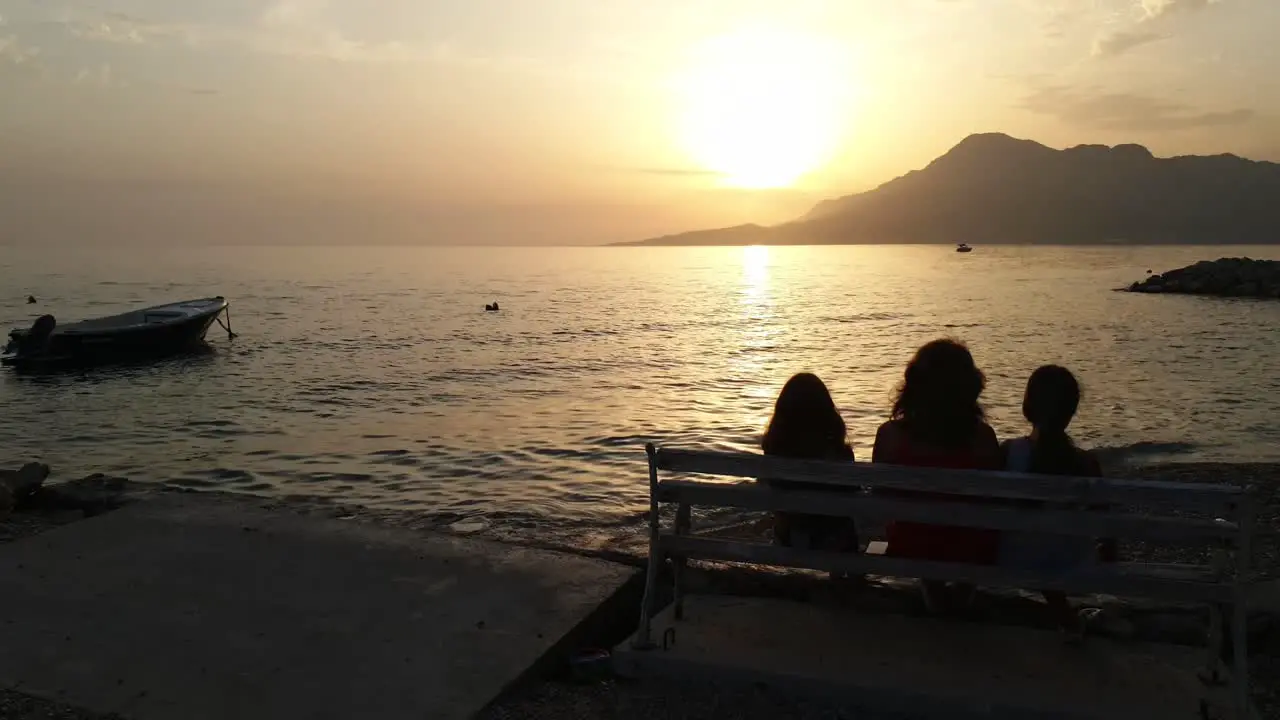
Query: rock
6, 502
20, 484
1226, 277
89, 495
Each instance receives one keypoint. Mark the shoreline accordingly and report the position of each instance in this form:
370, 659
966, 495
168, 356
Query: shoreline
617, 541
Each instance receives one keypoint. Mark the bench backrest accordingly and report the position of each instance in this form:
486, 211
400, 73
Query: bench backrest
1170, 512
1221, 500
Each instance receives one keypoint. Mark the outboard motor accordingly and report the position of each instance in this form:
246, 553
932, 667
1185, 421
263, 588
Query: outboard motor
37, 338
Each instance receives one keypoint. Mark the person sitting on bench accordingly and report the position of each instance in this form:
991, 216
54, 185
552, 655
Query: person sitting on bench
806, 424
938, 422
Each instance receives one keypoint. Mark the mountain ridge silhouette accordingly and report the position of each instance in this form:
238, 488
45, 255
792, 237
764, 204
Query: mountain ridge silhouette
991, 188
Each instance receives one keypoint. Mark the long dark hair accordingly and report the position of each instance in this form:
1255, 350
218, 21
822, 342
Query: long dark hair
938, 398
805, 422
1049, 404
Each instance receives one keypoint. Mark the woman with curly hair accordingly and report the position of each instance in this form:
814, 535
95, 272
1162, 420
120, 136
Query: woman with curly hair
937, 421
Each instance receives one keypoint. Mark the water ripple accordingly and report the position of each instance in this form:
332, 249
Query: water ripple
373, 376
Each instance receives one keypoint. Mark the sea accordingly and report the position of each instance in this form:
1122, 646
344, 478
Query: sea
373, 375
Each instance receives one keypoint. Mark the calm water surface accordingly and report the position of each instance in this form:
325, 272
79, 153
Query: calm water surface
374, 375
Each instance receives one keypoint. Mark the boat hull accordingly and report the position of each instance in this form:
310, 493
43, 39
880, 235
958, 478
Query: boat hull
81, 348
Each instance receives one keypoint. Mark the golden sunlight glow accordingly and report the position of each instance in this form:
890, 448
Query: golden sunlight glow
762, 108
755, 272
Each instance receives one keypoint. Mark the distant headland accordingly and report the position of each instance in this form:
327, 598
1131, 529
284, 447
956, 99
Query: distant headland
995, 189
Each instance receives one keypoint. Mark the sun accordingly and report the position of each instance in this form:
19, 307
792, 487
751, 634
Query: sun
762, 108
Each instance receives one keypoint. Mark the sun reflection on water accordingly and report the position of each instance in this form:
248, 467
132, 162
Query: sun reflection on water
752, 364
755, 275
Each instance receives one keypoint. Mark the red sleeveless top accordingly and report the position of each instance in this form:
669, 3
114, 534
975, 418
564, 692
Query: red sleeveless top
941, 543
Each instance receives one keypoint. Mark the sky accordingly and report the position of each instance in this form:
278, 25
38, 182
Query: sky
495, 122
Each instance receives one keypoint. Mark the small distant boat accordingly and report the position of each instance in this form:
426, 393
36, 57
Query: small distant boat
963, 248
151, 332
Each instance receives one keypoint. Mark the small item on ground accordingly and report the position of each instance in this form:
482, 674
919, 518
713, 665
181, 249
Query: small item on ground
589, 666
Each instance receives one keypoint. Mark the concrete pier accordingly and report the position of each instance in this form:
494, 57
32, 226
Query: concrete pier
921, 666
194, 607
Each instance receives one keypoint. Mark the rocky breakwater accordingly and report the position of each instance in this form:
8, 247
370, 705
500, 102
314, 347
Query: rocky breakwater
1225, 277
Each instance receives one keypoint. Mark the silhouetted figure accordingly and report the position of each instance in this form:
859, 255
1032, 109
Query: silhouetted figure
491, 307
31, 299
806, 424
938, 422
1049, 404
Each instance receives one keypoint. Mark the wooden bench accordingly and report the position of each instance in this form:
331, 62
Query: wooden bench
1217, 518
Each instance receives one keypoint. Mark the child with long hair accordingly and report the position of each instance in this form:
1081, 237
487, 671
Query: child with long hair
1049, 404
806, 424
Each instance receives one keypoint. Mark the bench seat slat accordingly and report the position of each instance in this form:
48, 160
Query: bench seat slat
1122, 580
1221, 499
760, 496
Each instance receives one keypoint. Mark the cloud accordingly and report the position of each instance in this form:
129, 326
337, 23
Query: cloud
1122, 41
302, 28
93, 25
1119, 42
102, 76
1131, 112
1057, 17
677, 172
116, 27
291, 28
15, 53
1156, 8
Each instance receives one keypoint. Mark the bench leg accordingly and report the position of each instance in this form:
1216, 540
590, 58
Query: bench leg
1240, 658
684, 522
1212, 674
644, 633
1240, 608
643, 639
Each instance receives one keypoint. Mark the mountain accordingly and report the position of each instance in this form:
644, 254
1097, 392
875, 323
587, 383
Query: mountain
992, 188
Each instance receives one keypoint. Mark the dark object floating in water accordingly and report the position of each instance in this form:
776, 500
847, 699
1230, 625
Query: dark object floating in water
153, 332
31, 299
491, 307
963, 248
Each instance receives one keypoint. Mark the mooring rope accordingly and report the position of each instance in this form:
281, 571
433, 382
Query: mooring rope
227, 325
